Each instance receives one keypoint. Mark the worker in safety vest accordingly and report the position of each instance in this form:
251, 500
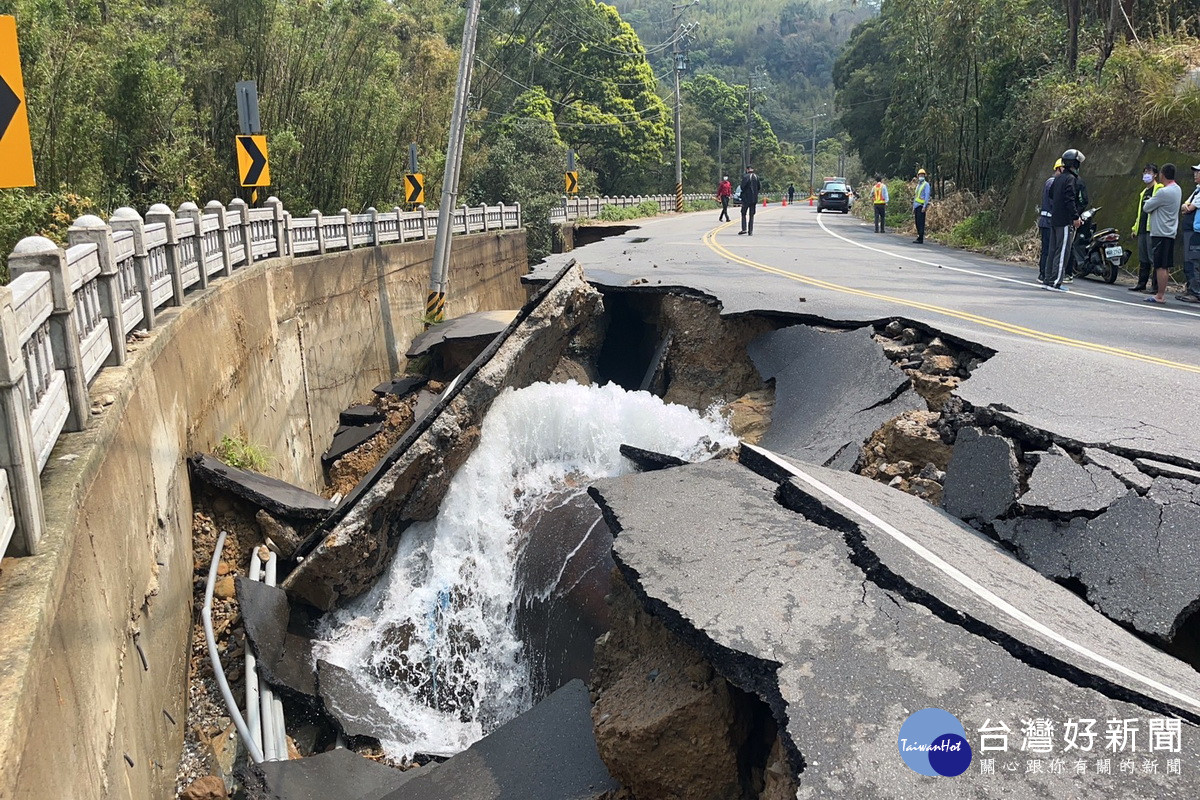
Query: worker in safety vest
920, 205
879, 196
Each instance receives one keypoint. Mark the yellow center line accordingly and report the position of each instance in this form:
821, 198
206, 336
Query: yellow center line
710, 241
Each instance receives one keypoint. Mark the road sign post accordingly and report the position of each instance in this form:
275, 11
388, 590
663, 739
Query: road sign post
16, 149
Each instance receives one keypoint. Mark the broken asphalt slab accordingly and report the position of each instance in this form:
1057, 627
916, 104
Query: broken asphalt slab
360, 415
339, 774
1139, 561
477, 325
547, 753
400, 386
1061, 486
283, 658
282, 500
347, 438
983, 476
833, 389
825, 626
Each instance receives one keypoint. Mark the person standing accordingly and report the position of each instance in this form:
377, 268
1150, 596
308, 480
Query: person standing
1044, 222
1065, 208
920, 205
723, 192
750, 187
791, 192
1141, 230
879, 198
1189, 225
1163, 209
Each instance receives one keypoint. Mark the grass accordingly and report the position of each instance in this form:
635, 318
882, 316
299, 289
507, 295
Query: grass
611, 213
238, 452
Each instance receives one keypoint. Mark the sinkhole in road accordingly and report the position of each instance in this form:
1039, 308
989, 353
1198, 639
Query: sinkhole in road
498, 600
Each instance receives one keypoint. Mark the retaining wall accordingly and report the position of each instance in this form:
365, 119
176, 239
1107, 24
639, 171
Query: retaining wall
274, 351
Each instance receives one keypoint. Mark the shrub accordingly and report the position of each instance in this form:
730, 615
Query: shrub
976, 231
242, 454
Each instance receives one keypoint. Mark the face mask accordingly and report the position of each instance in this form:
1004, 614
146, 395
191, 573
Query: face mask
1147, 177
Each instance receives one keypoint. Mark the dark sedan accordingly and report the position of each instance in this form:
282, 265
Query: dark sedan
834, 195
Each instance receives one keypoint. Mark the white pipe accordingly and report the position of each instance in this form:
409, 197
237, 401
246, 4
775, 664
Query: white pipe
278, 723
218, 671
253, 717
267, 708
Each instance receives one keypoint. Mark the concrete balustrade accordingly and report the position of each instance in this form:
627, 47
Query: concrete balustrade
588, 207
67, 313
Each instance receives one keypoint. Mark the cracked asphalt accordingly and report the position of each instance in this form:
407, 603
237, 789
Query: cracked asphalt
1094, 366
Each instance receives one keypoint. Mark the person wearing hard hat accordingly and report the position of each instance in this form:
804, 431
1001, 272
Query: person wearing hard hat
920, 205
1044, 221
1141, 230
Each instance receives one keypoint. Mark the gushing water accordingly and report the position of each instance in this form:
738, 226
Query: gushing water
436, 642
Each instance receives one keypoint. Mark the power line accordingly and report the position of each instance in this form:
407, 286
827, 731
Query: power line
569, 106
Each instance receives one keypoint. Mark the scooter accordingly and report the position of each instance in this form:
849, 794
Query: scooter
1096, 252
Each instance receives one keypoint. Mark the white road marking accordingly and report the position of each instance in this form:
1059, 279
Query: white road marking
1139, 304
970, 583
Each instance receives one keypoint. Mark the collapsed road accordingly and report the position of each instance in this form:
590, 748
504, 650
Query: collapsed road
774, 619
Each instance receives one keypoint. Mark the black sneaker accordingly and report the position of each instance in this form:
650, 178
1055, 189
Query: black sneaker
741, 233
1140, 288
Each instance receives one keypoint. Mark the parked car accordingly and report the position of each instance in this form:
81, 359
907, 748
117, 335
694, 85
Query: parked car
835, 194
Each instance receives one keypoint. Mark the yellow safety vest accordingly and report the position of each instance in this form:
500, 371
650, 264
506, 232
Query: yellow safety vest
877, 193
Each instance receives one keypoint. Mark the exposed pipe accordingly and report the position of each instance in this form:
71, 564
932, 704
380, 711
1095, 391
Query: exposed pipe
218, 671
278, 723
253, 717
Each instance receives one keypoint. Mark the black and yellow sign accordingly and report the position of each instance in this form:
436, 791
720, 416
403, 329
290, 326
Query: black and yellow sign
253, 169
16, 151
572, 182
414, 188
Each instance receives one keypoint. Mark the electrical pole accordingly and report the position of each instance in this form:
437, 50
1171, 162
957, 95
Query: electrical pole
812, 165
677, 56
720, 161
749, 108
435, 301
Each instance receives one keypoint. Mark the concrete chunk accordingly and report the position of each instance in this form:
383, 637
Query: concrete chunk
339, 774
1161, 468
648, 460
982, 478
282, 500
348, 438
360, 415
284, 658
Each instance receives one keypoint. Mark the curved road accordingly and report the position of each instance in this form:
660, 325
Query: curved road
1095, 365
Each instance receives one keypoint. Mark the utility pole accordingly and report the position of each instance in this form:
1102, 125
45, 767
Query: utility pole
680, 63
812, 164
749, 109
720, 161
435, 301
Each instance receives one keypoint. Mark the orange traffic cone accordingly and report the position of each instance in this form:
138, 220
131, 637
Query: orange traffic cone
810, 200
764, 202
784, 199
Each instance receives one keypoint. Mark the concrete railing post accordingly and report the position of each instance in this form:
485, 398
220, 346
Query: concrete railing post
520, 221
466, 219
320, 227
399, 223
348, 219
239, 204
277, 224
17, 454
37, 254
161, 213
503, 221
93, 230
126, 219
215, 207
189, 210
566, 209
288, 243
486, 226
374, 226
424, 222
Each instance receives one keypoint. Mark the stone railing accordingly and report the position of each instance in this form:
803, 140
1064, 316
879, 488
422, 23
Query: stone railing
66, 313
586, 207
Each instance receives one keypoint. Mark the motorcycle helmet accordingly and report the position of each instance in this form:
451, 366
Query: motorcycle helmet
1072, 158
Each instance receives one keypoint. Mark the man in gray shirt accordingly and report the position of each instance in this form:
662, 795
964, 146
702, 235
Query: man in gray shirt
1163, 209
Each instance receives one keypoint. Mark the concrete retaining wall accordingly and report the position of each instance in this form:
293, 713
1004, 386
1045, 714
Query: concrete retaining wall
273, 352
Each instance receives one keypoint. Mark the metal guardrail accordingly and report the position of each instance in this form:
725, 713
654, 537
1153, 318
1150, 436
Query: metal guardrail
67, 312
589, 207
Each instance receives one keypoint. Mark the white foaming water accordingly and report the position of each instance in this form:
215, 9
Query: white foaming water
434, 641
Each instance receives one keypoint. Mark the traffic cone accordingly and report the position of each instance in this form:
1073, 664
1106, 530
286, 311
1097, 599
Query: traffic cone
810, 200
764, 202
784, 199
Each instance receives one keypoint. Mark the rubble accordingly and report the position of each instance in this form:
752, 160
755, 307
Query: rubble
1061, 486
282, 500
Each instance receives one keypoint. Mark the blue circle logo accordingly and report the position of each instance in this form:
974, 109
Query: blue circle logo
933, 742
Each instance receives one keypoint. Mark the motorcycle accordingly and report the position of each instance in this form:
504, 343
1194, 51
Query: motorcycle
1097, 252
